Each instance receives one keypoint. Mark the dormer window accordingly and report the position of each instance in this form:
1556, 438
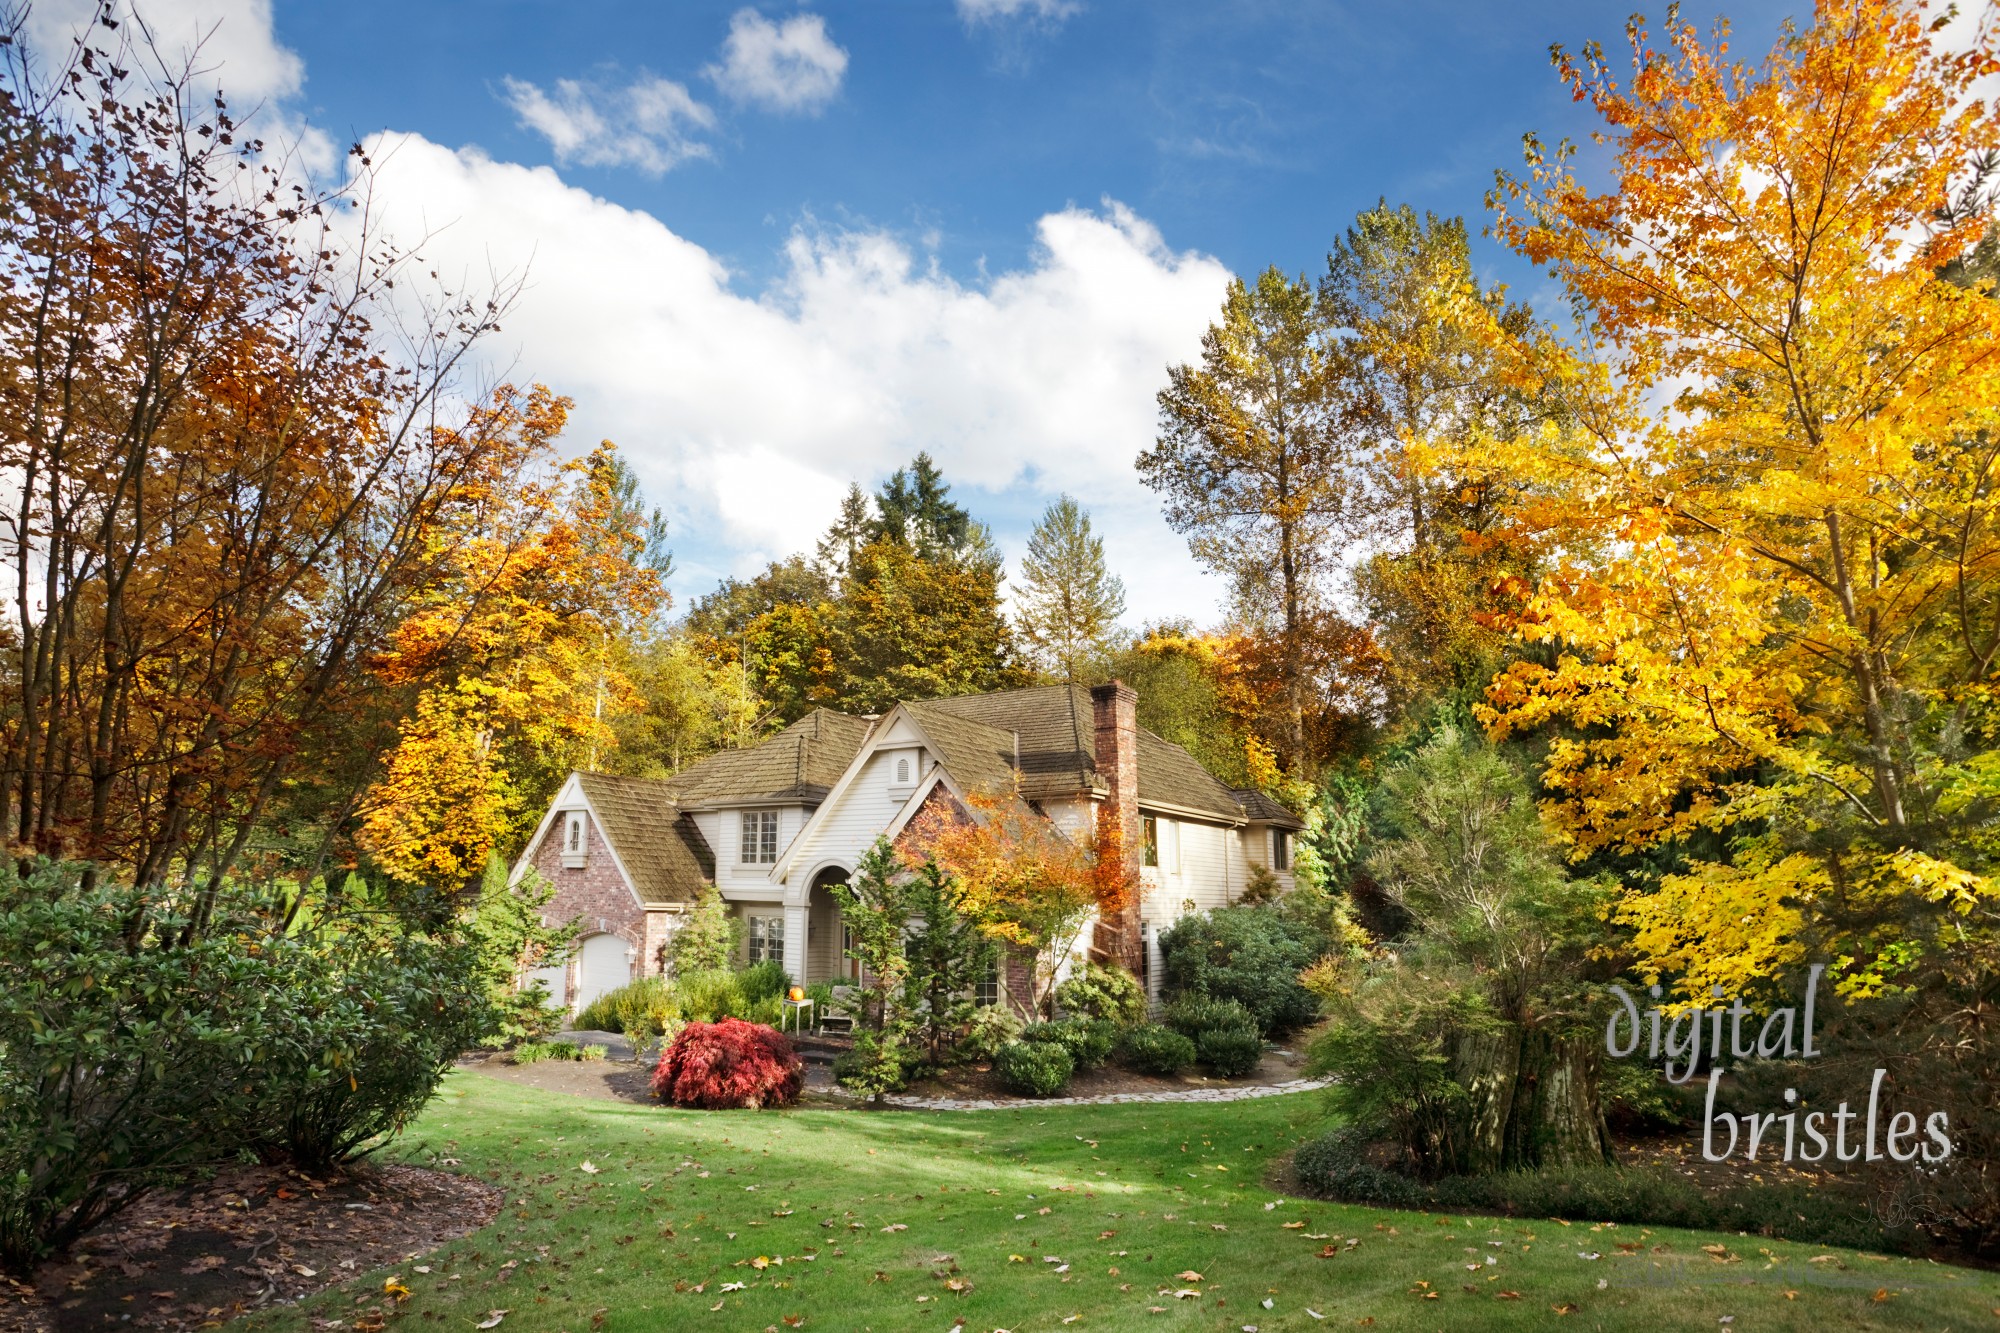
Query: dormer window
575, 845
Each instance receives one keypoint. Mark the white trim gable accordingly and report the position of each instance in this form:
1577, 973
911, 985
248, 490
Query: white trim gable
570, 797
896, 729
937, 777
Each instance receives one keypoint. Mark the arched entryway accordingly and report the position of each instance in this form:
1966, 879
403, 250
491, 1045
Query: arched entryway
826, 945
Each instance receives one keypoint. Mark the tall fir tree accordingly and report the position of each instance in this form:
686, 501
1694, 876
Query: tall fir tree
1069, 602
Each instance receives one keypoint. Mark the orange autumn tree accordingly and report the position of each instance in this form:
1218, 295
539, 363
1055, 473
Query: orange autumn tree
1028, 883
522, 641
1767, 625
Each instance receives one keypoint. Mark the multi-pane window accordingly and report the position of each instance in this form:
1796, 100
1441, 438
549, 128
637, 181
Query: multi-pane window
988, 990
767, 939
1281, 849
760, 837
574, 844
1152, 829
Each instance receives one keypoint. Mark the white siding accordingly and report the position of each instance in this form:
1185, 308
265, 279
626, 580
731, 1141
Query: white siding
736, 879
848, 828
1202, 867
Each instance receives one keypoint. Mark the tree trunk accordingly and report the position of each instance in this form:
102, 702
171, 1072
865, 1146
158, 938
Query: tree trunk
1488, 1067
1558, 1118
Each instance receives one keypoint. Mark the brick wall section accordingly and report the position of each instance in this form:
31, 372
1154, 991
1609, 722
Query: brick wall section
594, 892
1017, 974
1115, 712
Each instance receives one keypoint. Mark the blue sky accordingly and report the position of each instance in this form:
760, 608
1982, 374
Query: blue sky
772, 248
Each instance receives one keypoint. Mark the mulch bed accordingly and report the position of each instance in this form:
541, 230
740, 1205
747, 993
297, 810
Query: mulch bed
249, 1238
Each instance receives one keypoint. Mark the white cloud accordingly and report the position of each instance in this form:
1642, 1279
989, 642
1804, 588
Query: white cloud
231, 40
789, 66
229, 44
748, 414
652, 123
993, 11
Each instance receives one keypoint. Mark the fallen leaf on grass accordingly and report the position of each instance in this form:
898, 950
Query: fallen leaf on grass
1507, 1296
896, 1226
394, 1287
492, 1319
1188, 1275
1881, 1294
588, 1168
1294, 1226
1185, 1294
1566, 1307
732, 1286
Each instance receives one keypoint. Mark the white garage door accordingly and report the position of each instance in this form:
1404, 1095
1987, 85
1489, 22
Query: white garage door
556, 979
602, 965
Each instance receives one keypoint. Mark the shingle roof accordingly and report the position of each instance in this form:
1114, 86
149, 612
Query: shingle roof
800, 763
1058, 731
1169, 775
978, 756
1263, 810
664, 854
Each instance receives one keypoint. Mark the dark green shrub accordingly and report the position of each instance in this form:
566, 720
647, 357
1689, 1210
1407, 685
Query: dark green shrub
1638, 1097
1099, 991
1252, 955
880, 1063
1230, 1052
1192, 1015
992, 1027
121, 1063
1089, 1041
763, 981
1035, 1068
1157, 1050
371, 1025
1339, 1165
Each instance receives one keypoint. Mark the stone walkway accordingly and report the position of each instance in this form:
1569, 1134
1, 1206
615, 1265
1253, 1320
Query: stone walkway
1109, 1099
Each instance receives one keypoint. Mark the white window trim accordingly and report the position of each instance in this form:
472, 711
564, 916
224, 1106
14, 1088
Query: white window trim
764, 851
757, 932
575, 839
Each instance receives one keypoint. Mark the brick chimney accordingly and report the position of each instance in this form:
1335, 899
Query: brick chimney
1114, 712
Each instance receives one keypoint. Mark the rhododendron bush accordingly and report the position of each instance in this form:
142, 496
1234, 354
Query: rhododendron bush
718, 1066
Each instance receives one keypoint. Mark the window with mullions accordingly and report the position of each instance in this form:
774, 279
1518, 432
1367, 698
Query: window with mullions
1281, 849
760, 837
766, 937
988, 990
1152, 831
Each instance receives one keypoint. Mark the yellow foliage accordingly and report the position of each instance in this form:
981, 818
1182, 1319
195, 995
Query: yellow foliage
1767, 511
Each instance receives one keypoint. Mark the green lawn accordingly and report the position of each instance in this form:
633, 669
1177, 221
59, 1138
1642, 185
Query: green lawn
853, 1220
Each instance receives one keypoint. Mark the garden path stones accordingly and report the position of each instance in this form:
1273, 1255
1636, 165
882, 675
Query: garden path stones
1108, 1099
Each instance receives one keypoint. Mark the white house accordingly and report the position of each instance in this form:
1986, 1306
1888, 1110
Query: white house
774, 824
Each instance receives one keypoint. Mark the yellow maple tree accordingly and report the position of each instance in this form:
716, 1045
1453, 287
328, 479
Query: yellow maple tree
1767, 505
517, 652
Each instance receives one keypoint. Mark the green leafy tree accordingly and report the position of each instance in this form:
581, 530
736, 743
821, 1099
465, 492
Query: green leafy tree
510, 939
911, 628
875, 905
1069, 602
706, 941
949, 955
1418, 364
1253, 464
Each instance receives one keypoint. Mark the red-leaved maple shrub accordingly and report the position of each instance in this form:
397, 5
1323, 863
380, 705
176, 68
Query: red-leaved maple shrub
727, 1064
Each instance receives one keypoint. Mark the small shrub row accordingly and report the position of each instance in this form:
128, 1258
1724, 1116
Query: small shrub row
1035, 1068
1225, 1034
533, 1052
1089, 1041
1337, 1166
1102, 991
1151, 1049
657, 1006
